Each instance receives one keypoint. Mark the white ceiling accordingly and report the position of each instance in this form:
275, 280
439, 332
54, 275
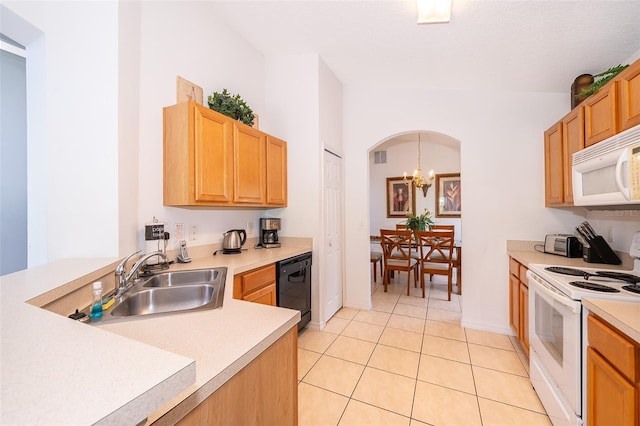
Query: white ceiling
535, 45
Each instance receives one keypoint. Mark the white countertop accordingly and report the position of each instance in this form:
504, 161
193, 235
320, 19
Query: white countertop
59, 371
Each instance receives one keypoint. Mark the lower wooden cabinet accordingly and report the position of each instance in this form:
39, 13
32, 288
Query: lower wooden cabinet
257, 285
519, 302
613, 376
265, 392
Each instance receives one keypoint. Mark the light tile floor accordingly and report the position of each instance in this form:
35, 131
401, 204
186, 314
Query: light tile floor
409, 362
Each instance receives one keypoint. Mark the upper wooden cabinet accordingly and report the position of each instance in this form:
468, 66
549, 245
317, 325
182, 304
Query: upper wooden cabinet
250, 165
276, 171
213, 160
560, 142
629, 88
572, 141
553, 165
611, 110
601, 114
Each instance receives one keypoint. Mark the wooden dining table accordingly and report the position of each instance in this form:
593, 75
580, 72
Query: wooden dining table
457, 261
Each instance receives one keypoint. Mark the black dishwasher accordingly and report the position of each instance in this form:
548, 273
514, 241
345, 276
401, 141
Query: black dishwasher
293, 286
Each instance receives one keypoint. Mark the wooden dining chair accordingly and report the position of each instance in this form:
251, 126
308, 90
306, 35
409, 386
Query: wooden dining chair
397, 247
437, 226
457, 261
436, 256
376, 257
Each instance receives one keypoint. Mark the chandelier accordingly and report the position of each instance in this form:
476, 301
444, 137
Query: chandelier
418, 180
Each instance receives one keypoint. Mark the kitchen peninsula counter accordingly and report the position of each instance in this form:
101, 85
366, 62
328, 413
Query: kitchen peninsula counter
59, 371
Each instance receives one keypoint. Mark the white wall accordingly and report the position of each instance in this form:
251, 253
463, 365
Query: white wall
72, 109
292, 88
99, 74
128, 124
188, 39
501, 148
401, 158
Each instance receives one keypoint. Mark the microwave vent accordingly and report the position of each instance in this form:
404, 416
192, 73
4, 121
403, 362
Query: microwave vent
616, 142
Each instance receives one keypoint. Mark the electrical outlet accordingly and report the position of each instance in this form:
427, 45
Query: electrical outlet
249, 227
178, 234
193, 233
610, 234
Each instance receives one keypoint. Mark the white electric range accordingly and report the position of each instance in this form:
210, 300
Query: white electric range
557, 330
601, 283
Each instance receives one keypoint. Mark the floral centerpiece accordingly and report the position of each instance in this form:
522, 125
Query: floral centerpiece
419, 223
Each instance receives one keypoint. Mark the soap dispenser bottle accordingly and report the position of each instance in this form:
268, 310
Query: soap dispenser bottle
96, 305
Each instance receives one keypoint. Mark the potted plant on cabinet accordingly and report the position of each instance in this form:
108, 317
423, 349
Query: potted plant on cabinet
231, 106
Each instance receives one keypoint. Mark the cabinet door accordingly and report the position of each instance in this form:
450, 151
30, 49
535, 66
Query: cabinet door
611, 399
212, 156
630, 96
266, 295
265, 392
573, 141
524, 316
276, 171
553, 165
514, 304
249, 165
600, 114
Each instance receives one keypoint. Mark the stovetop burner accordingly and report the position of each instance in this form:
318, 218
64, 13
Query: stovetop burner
582, 281
565, 271
594, 286
634, 288
619, 276
632, 279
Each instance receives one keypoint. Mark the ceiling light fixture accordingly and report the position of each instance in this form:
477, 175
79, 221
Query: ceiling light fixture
418, 180
433, 11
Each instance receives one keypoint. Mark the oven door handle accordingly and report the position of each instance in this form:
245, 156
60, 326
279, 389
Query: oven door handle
548, 292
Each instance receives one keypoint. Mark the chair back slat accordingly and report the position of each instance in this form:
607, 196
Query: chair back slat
396, 244
436, 246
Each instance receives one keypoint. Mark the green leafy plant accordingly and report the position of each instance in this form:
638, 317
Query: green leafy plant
231, 106
600, 80
419, 223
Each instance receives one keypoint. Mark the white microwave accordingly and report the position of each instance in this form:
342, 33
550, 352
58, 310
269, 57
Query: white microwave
608, 173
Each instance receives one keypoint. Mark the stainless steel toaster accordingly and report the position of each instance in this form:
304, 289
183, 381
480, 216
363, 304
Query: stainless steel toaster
562, 245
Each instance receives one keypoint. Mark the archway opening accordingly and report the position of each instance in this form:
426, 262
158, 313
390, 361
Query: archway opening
389, 160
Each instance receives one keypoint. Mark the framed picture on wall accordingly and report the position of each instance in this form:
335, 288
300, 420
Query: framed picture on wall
401, 197
448, 198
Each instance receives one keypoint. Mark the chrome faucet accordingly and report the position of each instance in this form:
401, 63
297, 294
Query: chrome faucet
123, 279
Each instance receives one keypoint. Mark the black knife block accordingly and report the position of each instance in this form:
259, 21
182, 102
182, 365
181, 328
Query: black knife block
600, 252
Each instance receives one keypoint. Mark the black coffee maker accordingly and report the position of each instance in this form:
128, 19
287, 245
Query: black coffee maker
269, 227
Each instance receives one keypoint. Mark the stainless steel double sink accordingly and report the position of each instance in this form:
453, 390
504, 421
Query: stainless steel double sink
169, 293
